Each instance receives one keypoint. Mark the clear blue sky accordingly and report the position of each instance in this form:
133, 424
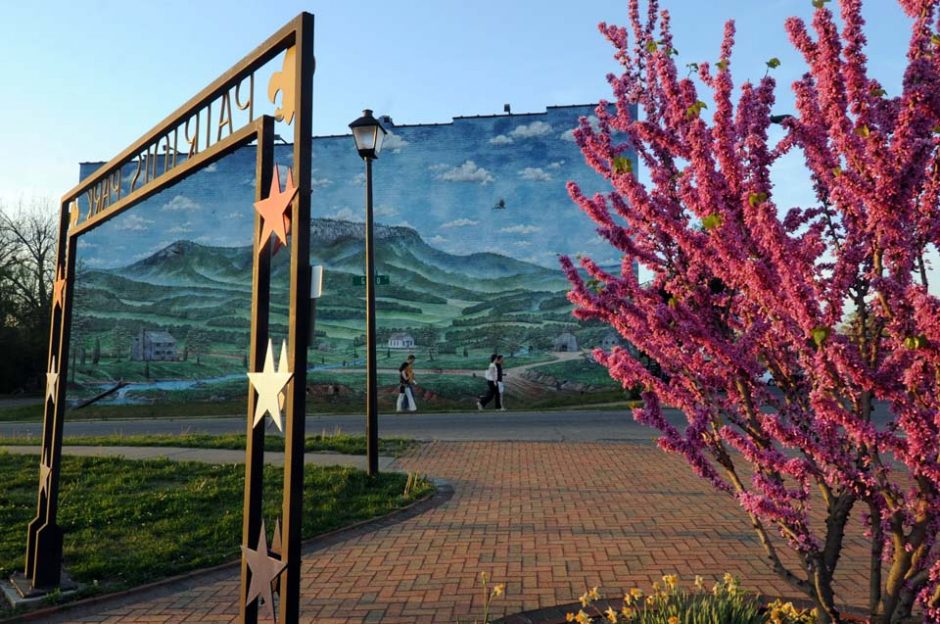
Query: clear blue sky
81, 80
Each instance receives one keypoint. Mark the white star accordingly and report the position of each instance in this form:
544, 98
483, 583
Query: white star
52, 382
268, 384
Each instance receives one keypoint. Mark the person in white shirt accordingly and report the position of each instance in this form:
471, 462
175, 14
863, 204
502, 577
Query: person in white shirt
492, 389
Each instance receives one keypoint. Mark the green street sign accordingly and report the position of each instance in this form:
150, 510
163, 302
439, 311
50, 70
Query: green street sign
380, 280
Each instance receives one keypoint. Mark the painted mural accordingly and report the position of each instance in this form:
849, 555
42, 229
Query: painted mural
471, 216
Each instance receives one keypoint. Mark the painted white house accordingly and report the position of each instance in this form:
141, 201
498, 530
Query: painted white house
154, 346
400, 340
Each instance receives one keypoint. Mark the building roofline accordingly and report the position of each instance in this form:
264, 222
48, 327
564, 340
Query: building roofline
431, 124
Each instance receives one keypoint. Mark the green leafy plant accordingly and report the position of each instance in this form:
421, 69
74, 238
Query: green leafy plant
668, 603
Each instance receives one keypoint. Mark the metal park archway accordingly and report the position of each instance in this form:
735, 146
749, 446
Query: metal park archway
224, 116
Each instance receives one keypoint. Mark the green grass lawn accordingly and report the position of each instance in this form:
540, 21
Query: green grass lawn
324, 442
131, 522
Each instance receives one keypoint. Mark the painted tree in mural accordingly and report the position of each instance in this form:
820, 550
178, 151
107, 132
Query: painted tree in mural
831, 299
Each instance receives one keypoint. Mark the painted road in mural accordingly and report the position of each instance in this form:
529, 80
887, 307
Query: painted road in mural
471, 218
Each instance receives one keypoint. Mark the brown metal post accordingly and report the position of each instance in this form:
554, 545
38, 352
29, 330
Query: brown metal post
260, 299
44, 537
372, 398
299, 316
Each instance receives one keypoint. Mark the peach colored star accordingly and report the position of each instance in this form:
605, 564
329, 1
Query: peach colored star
264, 570
275, 208
58, 288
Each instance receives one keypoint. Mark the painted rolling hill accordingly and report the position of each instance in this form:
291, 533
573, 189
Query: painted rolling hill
339, 245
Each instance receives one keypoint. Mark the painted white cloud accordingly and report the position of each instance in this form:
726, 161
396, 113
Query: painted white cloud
344, 214
438, 167
359, 179
183, 228
521, 229
500, 139
534, 129
179, 203
523, 243
386, 211
212, 168
394, 142
556, 165
535, 173
133, 223
459, 223
568, 135
437, 240
467, 172
320, 182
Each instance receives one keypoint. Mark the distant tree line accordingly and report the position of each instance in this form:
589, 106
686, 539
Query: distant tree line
28, 233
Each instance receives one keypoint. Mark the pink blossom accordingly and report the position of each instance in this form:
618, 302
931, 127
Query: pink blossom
829, 298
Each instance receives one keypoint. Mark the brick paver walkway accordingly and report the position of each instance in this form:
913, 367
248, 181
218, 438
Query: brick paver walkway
547, 519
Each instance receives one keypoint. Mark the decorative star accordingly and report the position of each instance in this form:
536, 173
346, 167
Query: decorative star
275, 209
269, 383
45, 469
282, 365
264, 570
52, 382
58, 288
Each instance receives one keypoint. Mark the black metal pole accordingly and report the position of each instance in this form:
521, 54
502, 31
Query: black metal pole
372, 398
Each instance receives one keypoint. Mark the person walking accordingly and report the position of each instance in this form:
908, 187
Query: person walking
492, 390
406, 381
500, 386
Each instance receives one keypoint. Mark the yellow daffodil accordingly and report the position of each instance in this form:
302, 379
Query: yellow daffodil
498, 590
594, 593
673, 619
636, 592
671, 581
569, 617
699, 582
583, 618
611, 615
627, 612
585, 599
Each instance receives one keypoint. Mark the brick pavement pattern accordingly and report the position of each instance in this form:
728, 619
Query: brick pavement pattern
546, 519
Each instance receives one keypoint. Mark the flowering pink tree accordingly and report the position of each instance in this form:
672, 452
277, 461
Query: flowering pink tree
831, 299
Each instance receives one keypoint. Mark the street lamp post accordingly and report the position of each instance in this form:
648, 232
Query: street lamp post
369, 134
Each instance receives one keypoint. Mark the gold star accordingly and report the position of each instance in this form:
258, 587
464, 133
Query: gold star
268, 384
45, 469
52, 382
58, 289
264, 569
274, 209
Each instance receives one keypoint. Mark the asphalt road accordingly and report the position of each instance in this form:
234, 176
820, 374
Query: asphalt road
580, 425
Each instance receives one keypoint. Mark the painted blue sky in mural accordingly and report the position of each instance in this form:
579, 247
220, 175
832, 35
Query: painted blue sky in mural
490, 183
